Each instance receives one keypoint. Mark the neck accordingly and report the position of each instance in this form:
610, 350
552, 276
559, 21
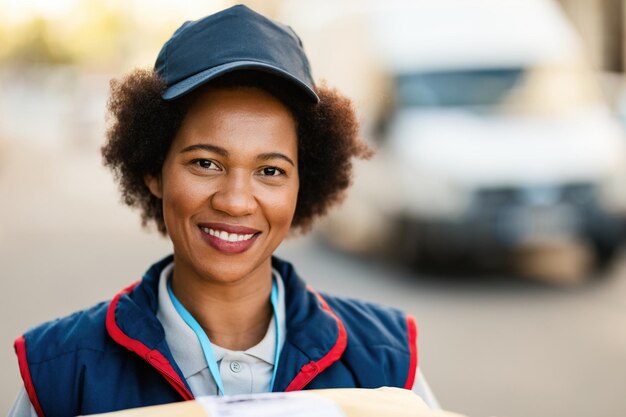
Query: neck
234, 315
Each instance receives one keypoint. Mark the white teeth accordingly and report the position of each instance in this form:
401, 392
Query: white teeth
229, 237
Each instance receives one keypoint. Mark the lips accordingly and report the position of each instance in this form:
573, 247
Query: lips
228, 239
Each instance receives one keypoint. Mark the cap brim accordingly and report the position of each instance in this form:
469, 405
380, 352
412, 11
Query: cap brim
189, 84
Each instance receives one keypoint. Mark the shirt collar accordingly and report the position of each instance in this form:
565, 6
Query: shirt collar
184, 343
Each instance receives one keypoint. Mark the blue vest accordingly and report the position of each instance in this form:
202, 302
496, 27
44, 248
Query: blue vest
114, 356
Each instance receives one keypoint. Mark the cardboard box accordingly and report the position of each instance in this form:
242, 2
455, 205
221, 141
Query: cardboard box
347, 402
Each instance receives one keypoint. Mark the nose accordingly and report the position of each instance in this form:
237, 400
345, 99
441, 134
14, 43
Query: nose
234, 195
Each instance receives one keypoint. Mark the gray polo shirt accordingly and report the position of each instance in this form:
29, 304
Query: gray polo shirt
242, 372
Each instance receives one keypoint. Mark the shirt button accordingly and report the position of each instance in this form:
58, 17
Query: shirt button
235, 367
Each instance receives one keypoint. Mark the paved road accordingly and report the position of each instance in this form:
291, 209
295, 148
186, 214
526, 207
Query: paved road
499, 346
489, 346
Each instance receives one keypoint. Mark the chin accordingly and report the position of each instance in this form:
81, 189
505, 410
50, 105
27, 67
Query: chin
229, 269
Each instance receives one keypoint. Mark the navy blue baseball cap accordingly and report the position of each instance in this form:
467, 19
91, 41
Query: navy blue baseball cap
236, 38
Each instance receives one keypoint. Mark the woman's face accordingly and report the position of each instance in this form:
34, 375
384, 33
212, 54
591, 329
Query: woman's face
229, 183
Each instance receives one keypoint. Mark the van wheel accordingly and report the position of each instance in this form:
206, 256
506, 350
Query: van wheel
604, 253
411, 249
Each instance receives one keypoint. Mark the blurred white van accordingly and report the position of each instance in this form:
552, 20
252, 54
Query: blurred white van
498, 137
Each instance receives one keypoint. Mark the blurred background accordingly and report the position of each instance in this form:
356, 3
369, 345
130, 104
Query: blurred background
494, 210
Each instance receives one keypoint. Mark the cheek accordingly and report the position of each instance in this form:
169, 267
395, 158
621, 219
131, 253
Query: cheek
283, 206
181, 199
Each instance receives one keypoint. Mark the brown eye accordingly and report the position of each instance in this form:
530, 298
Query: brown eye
272, 171
205, 164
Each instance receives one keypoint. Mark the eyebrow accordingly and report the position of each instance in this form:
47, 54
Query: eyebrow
275, 155
206, 147
223, 152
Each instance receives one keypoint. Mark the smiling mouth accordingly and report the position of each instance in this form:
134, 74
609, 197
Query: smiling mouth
225, 236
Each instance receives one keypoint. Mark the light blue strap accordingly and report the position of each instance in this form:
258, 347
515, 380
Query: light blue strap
205, 343
274, 301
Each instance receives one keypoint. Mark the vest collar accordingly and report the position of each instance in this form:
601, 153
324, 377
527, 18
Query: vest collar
316, 337
131, 322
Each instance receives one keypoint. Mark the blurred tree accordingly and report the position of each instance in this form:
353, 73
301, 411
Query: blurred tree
94, 33
98, 34
103, 34
33, 45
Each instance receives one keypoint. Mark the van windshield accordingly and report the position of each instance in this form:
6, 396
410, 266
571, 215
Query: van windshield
540, 90
466, 88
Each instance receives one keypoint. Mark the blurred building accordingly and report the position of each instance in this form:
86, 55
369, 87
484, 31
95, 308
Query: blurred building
601, 25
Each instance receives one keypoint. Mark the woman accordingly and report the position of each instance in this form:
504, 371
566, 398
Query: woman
227, 146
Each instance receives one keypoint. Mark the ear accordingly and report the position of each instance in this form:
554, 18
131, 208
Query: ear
154, 185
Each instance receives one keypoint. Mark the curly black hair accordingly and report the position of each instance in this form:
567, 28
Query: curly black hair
141, 127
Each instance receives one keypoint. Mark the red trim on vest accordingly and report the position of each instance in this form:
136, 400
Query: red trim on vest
411, 327
152, 356
20, 350
312, 369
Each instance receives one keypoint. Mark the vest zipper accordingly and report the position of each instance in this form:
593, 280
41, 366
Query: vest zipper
306, 375
173, 379
312, 374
